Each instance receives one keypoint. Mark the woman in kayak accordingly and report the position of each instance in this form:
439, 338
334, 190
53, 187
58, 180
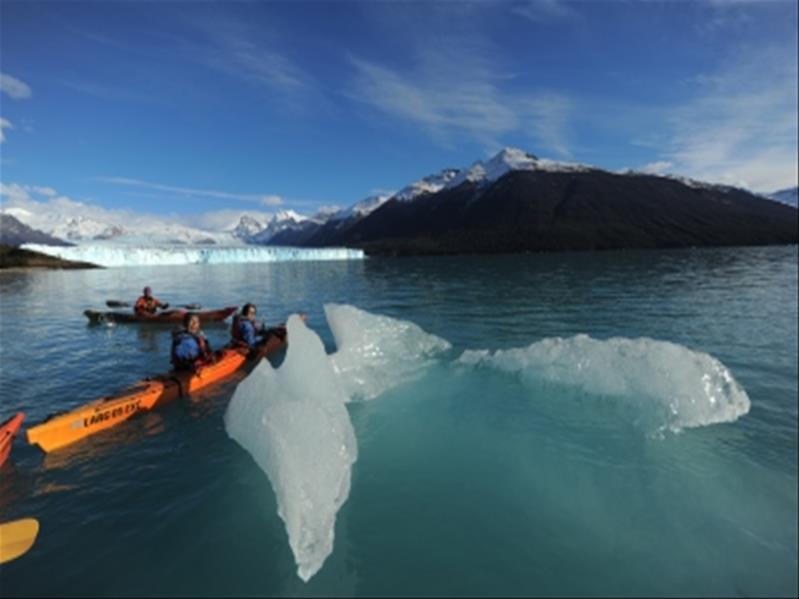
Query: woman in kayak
248, 333
245, 331
190, 348
148, 305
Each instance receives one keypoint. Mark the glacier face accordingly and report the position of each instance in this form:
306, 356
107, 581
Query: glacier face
111, 255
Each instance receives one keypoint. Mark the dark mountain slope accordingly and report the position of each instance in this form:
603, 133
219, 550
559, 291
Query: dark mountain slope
592, 209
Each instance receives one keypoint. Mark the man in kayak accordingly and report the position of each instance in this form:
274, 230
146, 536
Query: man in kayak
147, 305
190, 348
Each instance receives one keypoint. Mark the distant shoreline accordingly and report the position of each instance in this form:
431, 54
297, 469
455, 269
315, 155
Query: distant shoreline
13, 258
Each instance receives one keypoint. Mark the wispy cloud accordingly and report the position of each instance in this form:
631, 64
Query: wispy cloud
455, 97
659, 167
15, 88
741, 128
253, 54
543, 11
189, 192
105, 92
4, 124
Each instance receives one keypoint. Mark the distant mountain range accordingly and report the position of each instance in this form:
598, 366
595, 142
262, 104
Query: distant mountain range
512, 202
785, 196
517, 202
15, 233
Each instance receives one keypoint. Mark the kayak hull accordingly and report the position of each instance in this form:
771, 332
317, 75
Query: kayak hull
9, 430
64, 429
167, 317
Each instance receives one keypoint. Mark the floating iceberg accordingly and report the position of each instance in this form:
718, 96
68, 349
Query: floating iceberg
376, 352
111, 255
677, 387
294, 423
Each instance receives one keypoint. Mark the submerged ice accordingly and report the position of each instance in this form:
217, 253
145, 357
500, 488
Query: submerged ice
294, 423
111, 255
675, 386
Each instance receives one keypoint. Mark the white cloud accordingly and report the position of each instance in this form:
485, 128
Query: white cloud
248, 52
48, 210
269, 200
453, 95
543, 11
741, 128
272, 200
14, 87
656, 168
4, 124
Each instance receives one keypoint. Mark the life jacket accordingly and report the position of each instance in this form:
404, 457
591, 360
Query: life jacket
148, 305
235, 333
189, 363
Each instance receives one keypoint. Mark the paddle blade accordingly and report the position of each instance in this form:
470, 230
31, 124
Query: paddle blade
116, 304
17, 537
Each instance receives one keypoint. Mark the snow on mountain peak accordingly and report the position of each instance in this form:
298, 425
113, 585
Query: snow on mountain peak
284, 215
427, 185
511, 159
247, 227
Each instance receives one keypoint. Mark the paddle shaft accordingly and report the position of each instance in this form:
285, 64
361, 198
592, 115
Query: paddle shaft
120, 304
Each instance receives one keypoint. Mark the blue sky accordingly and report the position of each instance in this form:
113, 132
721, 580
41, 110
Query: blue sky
205, 110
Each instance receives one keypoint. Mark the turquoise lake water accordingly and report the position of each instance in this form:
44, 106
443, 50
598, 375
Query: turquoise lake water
587, 466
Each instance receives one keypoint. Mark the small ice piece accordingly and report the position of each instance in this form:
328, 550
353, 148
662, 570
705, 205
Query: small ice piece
375, 352
294, 423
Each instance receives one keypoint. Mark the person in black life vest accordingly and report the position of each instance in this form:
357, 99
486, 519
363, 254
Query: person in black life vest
190, 348
147, 304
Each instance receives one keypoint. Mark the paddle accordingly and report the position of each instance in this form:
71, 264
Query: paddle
17, 537
119, 304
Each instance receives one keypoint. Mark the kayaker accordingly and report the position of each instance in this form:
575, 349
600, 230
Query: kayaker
190, 348
245, 331
147, 304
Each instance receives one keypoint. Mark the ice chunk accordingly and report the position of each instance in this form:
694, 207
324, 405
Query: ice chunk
374, 352
111, 255
678, 386
294, 423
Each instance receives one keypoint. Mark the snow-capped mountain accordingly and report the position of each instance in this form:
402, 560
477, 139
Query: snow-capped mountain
281, 221
14, 232
507, 160
134, 231
247, 227
789, 196
359, 209
517, 202
426, 185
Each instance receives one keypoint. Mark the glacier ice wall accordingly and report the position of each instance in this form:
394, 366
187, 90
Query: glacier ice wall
111, 255
377, 352
677, 386
294, 423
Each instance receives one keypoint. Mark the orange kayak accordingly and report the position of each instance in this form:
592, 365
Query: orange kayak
9, 430
63, 429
